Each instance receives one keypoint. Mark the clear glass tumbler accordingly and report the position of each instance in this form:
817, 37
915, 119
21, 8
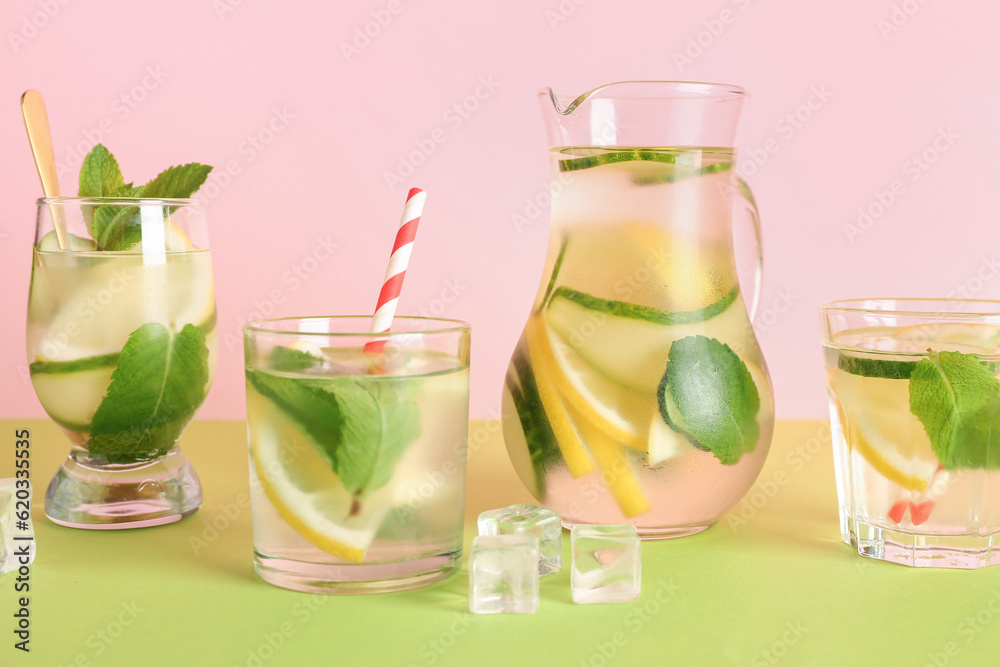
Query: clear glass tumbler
357, 451
121, 337
915, 409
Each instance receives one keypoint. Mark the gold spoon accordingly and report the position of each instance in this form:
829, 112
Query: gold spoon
36, 122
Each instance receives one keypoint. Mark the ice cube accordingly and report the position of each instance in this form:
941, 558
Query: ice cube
17, 536
503, 574
525, 518
606, 564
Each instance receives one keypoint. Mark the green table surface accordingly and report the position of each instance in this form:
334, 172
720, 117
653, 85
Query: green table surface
770, 584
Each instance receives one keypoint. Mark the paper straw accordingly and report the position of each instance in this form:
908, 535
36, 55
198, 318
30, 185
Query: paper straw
388, 297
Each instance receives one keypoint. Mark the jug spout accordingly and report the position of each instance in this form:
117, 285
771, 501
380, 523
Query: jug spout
644, 113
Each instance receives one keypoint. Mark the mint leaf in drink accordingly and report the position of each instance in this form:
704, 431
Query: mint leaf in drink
178, 182
160, 381
360, 426
116, 227
310, 404
380, 418
957, 399
290, 360
708, 394
100, 175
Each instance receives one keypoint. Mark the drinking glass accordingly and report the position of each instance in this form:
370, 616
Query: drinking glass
915, 410
121, 338
357, 455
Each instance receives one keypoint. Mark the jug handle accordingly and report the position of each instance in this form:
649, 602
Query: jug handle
758, 281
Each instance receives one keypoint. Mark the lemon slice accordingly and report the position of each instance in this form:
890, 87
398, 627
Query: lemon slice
665, 443
617, 470
306, 492
175, 239
888, 458
640, 262
969, 338
882, 430
570, 446
621, 413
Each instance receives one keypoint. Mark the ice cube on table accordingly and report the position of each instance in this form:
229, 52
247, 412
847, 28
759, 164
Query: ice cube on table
17, 535
525, 518
503, 574
606, 564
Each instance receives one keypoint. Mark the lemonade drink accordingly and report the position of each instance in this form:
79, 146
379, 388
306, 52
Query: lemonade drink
915, 411
357, 463
83, 309
638, 391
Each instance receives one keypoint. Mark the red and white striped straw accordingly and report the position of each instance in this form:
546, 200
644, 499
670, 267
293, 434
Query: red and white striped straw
392, 285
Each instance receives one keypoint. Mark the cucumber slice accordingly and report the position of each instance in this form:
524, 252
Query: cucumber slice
876, 368
629, 343
627, 155
543, 448
50, 243
70, 391
525, 452
634, 311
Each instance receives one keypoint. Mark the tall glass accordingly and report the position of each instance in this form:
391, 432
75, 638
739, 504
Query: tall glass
915, 408
357, 451
638, 392
121, 338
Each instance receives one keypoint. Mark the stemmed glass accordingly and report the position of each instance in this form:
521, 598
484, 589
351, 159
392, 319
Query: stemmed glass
121, 351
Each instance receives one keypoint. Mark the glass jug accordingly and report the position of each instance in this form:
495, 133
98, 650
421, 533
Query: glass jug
638, 392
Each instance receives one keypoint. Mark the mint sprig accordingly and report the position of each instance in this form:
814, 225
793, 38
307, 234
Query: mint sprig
118, 227
957, 400
708, 395
160, 381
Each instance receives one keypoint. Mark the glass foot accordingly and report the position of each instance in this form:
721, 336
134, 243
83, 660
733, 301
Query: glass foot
653, 533
959, 551
356, 579
107, 497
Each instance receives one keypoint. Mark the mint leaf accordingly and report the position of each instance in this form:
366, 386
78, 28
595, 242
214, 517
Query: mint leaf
100, 175
129, 191
116, 227
379, 420
957, 399
708, 394
361, 427
177, 182
119, 227
288, 360
161, 380
308, 403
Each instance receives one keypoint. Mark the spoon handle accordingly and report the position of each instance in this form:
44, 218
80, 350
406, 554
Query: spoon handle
36, 122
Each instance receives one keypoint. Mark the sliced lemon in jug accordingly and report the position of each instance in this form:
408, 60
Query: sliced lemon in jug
618, 411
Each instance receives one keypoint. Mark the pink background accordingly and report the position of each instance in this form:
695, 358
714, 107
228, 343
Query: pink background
330, 125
